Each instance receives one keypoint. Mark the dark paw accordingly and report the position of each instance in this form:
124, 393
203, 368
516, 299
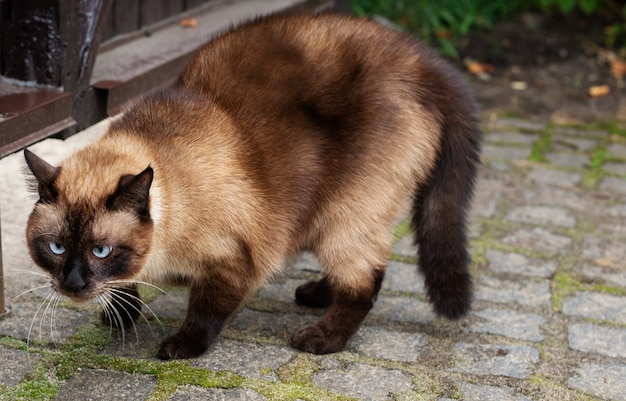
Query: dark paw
181, 346
452, 299
123, 309
315, 294
314, 340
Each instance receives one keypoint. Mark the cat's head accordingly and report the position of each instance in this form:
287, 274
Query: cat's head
91, 228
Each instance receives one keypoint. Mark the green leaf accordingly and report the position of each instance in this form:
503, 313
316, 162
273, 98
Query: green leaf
589, 6
566, 6
448, 17
448, 48
545, 4
466, 24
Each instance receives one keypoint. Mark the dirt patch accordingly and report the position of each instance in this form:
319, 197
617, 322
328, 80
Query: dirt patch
543, 69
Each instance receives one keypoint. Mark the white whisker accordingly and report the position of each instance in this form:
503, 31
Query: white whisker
141, 302
32, 322
53, 310
120, 322
104, 302
137, 282
31, 290
42, 321
36, 273
118, 300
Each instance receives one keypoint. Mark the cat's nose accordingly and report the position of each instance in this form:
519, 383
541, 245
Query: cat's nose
74, 281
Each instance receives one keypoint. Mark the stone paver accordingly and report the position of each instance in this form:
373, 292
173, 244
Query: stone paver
615, 168
357, 381
15, 365
405, 247
548, 318
523, 292
559, 178
542, 215
403, 309
567, 160
506, 152
492, 359
607, 252
487, 196
512, 137
510, 323
477, 392
510, 262
617, 150
613, 276
403, 277
539, 239
246, 359
614, 184
394, 346
106, 385
596, 306
41, 321
598, 339
190, 393
606, 381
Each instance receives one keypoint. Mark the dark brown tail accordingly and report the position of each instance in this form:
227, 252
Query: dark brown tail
441, 205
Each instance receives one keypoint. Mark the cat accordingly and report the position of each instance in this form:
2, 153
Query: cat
288, 133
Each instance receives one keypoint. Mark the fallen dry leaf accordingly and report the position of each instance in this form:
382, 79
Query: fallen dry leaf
598, 91
618, 68
189, 22
477, 68
444, 33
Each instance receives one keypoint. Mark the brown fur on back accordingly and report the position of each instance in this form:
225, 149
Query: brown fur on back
288, 133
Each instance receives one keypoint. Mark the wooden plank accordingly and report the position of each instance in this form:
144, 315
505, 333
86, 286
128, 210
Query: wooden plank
152, 11
126, 16
188, 4
29, 115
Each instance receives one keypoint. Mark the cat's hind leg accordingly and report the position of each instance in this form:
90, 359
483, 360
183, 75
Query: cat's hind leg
349, 305
315, 294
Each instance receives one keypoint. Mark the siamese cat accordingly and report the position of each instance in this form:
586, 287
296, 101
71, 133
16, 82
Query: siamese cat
285, 134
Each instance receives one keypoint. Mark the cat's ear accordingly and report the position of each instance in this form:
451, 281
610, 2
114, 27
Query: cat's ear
133, 193
44, 173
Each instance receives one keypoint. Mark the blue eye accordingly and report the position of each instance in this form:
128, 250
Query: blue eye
102, 251
56, 248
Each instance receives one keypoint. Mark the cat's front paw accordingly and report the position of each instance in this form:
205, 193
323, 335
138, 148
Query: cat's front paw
181, 346
314, 340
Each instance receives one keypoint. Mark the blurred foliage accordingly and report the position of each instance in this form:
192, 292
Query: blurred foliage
444, 23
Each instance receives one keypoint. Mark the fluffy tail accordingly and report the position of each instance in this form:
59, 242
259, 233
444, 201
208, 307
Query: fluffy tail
440, 207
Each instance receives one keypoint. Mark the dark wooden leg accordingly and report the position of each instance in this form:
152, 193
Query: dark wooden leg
2, 310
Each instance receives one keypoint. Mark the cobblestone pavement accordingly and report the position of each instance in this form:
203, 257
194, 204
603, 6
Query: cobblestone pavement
548, 323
